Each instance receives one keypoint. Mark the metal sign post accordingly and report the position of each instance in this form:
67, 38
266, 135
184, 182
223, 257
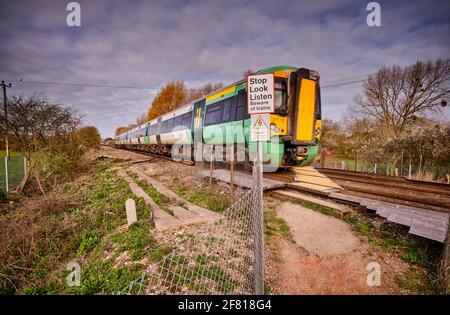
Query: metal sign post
5, 108
260, 102
259, 224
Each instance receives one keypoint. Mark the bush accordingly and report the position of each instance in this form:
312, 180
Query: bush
3, 197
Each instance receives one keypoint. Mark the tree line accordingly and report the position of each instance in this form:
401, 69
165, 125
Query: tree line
50, 137
395, 119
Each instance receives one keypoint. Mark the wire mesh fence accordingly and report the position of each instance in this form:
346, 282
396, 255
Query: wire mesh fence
16, 171
215, 258
438, 173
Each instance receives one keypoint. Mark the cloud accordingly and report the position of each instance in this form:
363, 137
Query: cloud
147, 43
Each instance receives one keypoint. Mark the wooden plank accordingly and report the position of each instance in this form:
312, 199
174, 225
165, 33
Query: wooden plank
344, 197
315, 187
427, 233
310, 175
342, 210
422, 222
241, 179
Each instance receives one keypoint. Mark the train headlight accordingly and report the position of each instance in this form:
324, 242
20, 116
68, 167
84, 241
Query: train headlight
274, 128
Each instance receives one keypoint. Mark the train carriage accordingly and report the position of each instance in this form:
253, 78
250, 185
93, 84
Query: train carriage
221, 118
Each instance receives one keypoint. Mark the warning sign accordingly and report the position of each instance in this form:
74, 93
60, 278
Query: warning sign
260, 93
260, 127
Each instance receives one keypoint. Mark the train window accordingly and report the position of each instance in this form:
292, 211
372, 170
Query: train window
213, 114
170, 125
151, 130
186, 120
177, 122
280, 96
241, 105
227, 110
239, 112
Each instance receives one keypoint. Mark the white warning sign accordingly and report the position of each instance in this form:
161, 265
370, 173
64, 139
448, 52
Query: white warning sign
260, 127
260, 93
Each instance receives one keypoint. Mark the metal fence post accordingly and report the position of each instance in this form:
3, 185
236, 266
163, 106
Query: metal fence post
6, 174
375, 169
259, 230
409, 171
232, 172
211, 166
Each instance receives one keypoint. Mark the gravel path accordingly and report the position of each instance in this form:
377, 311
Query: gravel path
326, 257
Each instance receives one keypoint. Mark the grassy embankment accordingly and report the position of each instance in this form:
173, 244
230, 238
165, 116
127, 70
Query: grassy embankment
83, 221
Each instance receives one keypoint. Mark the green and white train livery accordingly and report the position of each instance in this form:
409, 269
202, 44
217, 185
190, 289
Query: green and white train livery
221, 119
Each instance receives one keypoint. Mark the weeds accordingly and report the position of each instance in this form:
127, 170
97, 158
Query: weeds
75, 220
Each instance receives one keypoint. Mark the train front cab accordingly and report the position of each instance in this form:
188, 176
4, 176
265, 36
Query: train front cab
295, 125
304, 121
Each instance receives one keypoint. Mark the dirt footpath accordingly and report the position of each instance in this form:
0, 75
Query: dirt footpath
326, 257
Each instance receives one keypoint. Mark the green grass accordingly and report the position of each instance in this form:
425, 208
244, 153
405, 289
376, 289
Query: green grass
83, 232
135, 240
414, 281
274, 226
15, 169
315, 207
158, 253
160, 199
204, 197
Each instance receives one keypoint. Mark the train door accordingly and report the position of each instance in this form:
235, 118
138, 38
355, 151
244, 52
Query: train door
303, 106
241, 115
158, 131
197, 125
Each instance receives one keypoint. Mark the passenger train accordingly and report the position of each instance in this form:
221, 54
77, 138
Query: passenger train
295, 125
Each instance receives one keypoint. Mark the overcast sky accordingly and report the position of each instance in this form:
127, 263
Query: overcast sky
147, 43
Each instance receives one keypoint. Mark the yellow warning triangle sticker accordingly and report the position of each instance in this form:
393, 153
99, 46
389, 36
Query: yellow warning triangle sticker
260, 122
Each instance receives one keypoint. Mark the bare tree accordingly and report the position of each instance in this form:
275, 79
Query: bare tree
203, 91
35, 124
396, 97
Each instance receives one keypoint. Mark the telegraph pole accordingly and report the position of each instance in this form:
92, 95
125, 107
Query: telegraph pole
5, 108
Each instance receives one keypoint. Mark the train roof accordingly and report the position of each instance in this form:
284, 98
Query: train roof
265, 70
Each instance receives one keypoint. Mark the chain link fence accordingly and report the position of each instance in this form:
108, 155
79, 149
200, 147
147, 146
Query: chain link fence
215, 258
413, 171
16, 171
221, 257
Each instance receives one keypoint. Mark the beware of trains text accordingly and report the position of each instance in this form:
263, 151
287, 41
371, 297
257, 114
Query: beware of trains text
260, 93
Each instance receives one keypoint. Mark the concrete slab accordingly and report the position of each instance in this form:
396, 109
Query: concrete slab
205, 214
422, 222
241, 179
338, 208
309, 175
161, 218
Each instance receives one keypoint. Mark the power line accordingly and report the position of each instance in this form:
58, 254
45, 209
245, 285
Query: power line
90, 85
141, 87
87, 85
341, 84
349, 78
334, 83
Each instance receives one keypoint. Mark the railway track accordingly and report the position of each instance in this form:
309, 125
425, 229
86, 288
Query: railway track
397, 190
